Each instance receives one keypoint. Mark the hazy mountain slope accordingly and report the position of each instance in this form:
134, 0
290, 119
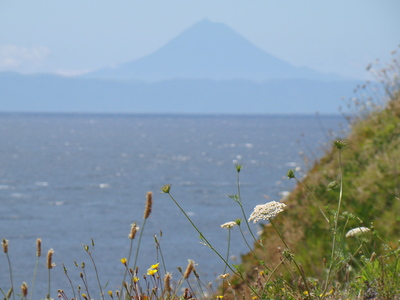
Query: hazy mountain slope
208, 50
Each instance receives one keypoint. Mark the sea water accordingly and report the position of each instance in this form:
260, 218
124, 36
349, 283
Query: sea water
70, 178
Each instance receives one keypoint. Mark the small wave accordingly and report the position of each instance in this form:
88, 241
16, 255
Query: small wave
56, 203
284, 195
17, 195
104, 185
41, 183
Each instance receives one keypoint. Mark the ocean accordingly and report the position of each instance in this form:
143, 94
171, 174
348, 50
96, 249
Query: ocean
68, 178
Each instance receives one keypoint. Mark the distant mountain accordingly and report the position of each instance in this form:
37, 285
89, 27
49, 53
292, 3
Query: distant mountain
50, 93
209, 50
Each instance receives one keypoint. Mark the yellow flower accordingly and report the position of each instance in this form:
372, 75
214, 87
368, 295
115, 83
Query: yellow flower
305, 293
110, 293
136, 279
220, 297
155, 266
151, 272
123, 260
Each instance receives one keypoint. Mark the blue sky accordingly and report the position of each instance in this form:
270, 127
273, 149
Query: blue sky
73, 37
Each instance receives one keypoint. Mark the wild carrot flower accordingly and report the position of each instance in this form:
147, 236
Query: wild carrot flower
357, 231
228, 225
266, 211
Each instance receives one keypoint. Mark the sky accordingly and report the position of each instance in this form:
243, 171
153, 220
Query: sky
74, 37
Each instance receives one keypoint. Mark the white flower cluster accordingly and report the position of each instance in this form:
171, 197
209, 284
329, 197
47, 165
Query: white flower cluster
266, 211
228, 225
357, 231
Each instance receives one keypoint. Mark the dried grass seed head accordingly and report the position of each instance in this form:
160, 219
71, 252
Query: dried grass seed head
149, 205
189, 269
167, 282
24, 289
38, 247
5, 245
134, 230
50, 263
266, 211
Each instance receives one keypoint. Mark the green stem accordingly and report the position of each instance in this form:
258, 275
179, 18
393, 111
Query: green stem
229, 246
213, 249
97, 275
11, 277
247, 222
48, 291
334, 240
294, 261
138, 247
313, 196
126, 268
34, 277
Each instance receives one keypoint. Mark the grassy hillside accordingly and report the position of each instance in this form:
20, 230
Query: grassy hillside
369, 167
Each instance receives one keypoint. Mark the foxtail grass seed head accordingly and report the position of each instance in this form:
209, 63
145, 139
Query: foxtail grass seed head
290, 174
266, 211
134, 230
189, 269
340, 144
166, 188
228, 225
357, 231
38, 247
167, 282
149, 204
24, 289
5, 245
50, 263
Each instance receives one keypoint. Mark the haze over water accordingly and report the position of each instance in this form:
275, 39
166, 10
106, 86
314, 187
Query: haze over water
70, 178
